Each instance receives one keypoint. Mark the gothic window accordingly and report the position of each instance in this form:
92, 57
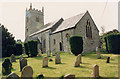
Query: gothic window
54, 41
88, 30
37, 19
67, 37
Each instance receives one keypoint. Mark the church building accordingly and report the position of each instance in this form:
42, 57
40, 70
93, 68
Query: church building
54, 36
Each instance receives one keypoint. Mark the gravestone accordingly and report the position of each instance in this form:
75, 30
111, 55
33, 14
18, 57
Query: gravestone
21, 56
12, 58
45, 62
23, 63
57, 59
27, 72
69, 76
6, 67
13, 76
95, 71
98, 52
48, 53
108, 60
78, 61
53, 53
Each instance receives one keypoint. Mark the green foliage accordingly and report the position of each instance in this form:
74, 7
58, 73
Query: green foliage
113, 43
10, 50
7, 39
26, 48
18, 48
76, 44
32, 46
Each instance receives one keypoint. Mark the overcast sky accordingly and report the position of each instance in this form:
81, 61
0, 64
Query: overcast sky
12, 14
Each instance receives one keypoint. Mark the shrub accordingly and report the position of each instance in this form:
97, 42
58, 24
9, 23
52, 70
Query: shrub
18, 48
76, 44
26, 48
113, 43
10, 50
32, 46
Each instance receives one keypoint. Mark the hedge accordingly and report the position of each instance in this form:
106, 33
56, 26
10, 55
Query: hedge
18, 48
32, 46
26, 48
76, 44
113, 43
10, 50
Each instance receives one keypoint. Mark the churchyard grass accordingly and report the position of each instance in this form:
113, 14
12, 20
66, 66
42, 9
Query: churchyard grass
67, 65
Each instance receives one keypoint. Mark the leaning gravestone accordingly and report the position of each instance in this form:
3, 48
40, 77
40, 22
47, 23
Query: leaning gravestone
69, 76
108, 60
23, 63
27, 73
6, 67
45, 62
53, 53
95, 71
57, 59
13, 76
98, 52
12, 58
78, 61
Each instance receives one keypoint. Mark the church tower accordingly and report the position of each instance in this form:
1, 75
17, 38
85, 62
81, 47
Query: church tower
34, 21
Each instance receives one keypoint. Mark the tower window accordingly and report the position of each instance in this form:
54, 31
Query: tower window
37, 19
88, 30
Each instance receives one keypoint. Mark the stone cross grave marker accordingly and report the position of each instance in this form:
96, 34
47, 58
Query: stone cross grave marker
95, 71
45, 62
23, 63
13, 76
69, 76
78, 60
108, 60
98, 52
12, 58
27, 72
57, 59
6, 67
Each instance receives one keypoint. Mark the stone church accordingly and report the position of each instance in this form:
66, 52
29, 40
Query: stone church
54, 36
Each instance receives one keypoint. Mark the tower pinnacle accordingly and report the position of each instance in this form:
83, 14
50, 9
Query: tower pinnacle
30, 6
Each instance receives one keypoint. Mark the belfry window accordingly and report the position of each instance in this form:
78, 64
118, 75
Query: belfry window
88, 30
37, 19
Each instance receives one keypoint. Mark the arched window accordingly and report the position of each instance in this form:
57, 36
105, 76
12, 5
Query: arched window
88, 30
54, 41
67, 36
37, 19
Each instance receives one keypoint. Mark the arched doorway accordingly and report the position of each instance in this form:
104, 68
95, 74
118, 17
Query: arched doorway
60, 46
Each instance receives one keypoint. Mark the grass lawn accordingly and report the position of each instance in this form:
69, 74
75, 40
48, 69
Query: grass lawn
67, 65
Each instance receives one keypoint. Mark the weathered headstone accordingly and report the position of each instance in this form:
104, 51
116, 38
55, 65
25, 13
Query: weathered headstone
21, 56
95, 71
69, 76
27, 72
53, 53
108, 60
98, 52
13, 76
23, 63
57, 59
6, 67
78, 61
45, 62
48, 53
12, 58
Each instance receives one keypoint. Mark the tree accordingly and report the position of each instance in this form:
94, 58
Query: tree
7, 40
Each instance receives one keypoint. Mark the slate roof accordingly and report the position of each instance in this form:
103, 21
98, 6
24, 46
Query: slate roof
48, 26
69, 23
